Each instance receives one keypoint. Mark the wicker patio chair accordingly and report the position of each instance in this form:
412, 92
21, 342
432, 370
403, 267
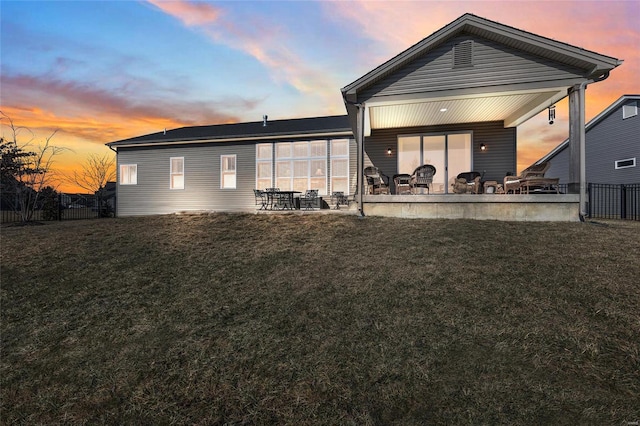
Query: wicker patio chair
402, 183
467, 182
377, 182
531, 177
422, 177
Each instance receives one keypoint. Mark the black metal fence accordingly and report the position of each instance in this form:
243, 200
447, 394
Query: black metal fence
61, 207
609, 201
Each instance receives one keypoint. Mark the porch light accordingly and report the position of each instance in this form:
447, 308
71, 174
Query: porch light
389, 151
483, 147
552, 114
443, 110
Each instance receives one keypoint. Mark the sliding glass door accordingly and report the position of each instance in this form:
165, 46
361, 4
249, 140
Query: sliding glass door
450, 153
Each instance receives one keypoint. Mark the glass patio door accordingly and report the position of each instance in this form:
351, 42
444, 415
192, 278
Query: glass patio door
434, 153
450, 153
458, 155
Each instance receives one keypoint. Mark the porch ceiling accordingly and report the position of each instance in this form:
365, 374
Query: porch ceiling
513, 108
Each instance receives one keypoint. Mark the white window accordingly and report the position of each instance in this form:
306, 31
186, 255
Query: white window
301, 166
228, 171
623, 164
128, 174
264, 165
629, 110
176, 173
340, 165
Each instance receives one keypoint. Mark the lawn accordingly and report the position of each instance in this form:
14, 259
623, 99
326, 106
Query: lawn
320, 319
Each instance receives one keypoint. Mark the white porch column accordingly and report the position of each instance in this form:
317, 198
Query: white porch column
577, 145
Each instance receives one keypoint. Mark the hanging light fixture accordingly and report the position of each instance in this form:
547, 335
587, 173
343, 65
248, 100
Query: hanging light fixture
552, 114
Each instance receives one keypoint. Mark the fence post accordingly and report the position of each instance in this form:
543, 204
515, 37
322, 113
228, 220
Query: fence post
623, 201
59, 207
590, 194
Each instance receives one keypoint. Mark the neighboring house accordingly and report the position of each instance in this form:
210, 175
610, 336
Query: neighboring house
612, 146
108, 195
453, 100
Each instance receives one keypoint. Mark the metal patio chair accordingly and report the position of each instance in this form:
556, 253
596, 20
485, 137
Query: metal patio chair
338, 198
309, 200
261, 199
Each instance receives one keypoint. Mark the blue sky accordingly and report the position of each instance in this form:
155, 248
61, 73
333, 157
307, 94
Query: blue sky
99, 71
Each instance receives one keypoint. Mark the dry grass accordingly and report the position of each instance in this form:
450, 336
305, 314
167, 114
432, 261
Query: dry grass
308, 319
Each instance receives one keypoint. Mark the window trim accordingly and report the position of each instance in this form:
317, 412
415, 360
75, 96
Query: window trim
618, 166
135, 180
172, 173
224, 172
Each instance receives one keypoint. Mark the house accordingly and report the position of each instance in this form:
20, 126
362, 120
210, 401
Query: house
612, 146
453, 100
216, 168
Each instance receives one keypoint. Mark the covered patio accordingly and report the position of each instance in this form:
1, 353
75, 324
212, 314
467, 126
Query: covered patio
454, 100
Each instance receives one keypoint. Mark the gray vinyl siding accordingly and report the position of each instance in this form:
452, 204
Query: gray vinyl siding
607, 141
610, 140
493, 64
498, 160
353, 167
559, 167
201, 190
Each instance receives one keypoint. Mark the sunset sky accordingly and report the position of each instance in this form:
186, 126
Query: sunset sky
100, 71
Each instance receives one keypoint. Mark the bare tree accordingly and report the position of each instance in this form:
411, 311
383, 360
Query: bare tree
94, 175
26, 169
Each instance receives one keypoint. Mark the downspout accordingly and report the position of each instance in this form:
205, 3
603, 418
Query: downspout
583, 143
115, 207
360, 128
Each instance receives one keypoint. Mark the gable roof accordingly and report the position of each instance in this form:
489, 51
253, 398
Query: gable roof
594, 122
414, 88
337, 125
596, 64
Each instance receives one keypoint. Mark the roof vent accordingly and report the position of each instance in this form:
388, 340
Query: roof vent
264, 121
463, 54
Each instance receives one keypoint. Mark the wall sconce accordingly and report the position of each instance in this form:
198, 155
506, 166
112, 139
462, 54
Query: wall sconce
483, 147
389, 151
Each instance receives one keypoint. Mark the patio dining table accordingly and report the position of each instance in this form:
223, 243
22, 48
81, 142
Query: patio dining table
284, 199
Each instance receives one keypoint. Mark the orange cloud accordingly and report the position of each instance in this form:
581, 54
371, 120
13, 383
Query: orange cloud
85, 118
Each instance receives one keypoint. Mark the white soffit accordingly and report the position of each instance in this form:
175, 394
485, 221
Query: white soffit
513, 109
